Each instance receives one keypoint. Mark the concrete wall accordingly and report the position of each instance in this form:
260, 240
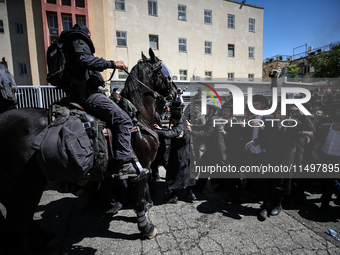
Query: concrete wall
5, 45
19, 43
139, 25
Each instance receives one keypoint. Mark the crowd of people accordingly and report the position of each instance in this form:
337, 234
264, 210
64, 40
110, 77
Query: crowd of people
253, 141
314, 138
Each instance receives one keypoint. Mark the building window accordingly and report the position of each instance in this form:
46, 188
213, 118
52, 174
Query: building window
19, 28
66, 2
51, 1
231, 50
251, 25
208, 75
2, 27
67, 21
153, 39
251, 52
52, 21
183, 75
80, 3
182, 44
122, 74
230, 76
121, 38
81, 20
22, 69
120, 5
207, 47
182, 12
207, 17
152, 7
250, 77
231, 21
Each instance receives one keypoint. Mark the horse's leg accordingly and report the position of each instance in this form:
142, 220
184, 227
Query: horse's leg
22, 204
147, 229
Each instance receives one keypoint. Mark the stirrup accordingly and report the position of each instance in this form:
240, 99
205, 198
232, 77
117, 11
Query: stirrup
143, 174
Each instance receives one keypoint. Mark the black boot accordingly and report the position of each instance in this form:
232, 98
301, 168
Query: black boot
191, 196
116, 206
132, 168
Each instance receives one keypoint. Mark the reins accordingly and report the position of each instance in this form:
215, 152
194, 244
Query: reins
155, 93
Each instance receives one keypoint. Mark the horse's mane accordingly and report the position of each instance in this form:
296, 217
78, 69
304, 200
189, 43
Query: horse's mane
132, 89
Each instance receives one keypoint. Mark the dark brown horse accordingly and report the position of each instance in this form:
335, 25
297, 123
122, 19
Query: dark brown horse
22, 182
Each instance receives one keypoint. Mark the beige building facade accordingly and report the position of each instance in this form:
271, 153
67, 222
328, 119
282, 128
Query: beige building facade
195, 38
5, 41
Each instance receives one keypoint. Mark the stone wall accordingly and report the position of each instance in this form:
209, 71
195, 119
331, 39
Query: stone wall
278, 65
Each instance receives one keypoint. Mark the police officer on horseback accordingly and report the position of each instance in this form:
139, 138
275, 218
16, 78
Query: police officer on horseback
84, 88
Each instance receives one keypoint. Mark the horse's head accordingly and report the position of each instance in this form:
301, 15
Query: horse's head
8, 89
155, 75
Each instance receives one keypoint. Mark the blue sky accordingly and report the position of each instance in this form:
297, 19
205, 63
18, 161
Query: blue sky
291, 23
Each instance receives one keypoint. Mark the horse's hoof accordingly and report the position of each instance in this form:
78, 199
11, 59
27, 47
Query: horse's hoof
152, 234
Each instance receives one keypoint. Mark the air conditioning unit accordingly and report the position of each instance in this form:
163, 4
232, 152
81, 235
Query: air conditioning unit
197, 77
278, 57
176, 77
310, 49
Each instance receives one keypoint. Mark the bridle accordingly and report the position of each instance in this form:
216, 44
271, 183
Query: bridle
155, 70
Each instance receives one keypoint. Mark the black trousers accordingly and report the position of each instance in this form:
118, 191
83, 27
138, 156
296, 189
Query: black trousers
119, 122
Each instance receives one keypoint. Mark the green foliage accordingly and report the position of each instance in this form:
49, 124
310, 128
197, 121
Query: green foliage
326, 65
293, 71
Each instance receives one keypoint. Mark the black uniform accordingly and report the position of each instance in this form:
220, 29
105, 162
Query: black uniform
85, 82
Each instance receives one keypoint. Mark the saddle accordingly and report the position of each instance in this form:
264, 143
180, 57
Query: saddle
73, 145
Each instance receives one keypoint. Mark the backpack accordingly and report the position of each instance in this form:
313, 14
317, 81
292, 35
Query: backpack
56, 62
60, 61
64, 150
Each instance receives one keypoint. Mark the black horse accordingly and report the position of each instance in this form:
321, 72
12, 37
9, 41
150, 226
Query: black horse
7, 88
22, 182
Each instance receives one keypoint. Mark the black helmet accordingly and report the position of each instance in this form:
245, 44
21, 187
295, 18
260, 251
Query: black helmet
83, 29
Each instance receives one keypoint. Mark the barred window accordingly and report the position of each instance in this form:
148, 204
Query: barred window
251, 25
208, 75
230, 76
182, 44
22, 69
182, 12
81, 20
207, 47
231, 21
251, 52
120, 5
2, 26
152, 7
67, 21
207, 16
19, 28
121, 38
183, 74
231, 50
250, 77
153, 39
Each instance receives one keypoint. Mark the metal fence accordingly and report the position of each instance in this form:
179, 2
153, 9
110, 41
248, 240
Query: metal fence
38, 96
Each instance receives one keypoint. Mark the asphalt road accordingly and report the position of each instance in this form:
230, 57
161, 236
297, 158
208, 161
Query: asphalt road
207, 226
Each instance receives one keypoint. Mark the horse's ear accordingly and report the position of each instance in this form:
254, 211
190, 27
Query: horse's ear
143, 56
152, 55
